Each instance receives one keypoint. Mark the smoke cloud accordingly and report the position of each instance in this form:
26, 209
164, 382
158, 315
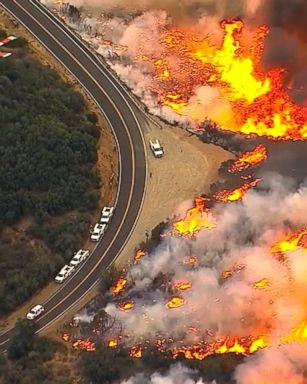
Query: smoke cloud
177, 374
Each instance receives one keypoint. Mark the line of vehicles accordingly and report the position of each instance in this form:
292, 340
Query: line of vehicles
78, 258
96, 234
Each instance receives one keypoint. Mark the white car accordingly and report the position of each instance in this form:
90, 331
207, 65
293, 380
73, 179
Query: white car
106, 215
156, 148
79, 257
98, 231
65, 272
35, 312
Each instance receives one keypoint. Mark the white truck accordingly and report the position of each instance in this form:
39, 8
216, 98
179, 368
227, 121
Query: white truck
106, 214
156, 148
79, 257
35, 312
64, 273
98, 231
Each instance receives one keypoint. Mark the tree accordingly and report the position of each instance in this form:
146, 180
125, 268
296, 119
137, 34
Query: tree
23, 339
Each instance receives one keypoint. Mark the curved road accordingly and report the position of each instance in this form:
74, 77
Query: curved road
121, 114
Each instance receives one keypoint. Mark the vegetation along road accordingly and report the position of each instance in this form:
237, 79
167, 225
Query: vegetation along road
122, 116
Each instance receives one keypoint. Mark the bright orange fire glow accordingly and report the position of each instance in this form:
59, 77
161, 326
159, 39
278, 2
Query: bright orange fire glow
66, 336
261, 283
229, 272
119, 286
136, 352
259, 103
126, 306
238, 346
249, 159
113, 343
195, 219
293, 242
191, 260
138, 255
183, 285
237, 193
175, 302
84, 345
298, 334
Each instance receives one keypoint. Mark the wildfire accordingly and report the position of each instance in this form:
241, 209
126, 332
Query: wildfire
191, 260
175, 302
261, 283
66, 337
126, 306
229, 272
238, 346
136, 352
113, 343
298, 334
138, 255
119, 286
183, 285
259, 103
249, 159
84, 345
195, 219
237, 193
291, 243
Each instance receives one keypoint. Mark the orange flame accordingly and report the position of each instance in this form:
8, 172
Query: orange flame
113, 343
85, 345
195, 219
237, 193
138, 255
261, 283
126, 306
191, 260
183, 285
249, 159
66, 337
136, 352
293, 242
236, 268
119, 286
238, 346
259, 103
298, 334
175, 302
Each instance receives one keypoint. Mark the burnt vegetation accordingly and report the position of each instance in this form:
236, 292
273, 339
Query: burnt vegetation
49, 184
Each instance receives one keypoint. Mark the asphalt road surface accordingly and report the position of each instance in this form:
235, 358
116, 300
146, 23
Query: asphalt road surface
123, 118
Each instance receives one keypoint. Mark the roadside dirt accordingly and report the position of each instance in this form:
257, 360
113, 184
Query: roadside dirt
107, 162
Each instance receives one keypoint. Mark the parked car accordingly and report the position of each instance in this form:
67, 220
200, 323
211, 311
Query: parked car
98, 231
156, 148
79, 257
64, 273
106, 215
35, 312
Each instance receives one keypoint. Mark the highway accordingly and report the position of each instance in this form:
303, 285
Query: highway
124, 119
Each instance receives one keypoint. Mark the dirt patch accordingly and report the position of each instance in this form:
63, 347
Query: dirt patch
107, 163
187, 169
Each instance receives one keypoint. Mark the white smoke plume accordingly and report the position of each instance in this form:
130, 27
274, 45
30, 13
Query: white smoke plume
177, 374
